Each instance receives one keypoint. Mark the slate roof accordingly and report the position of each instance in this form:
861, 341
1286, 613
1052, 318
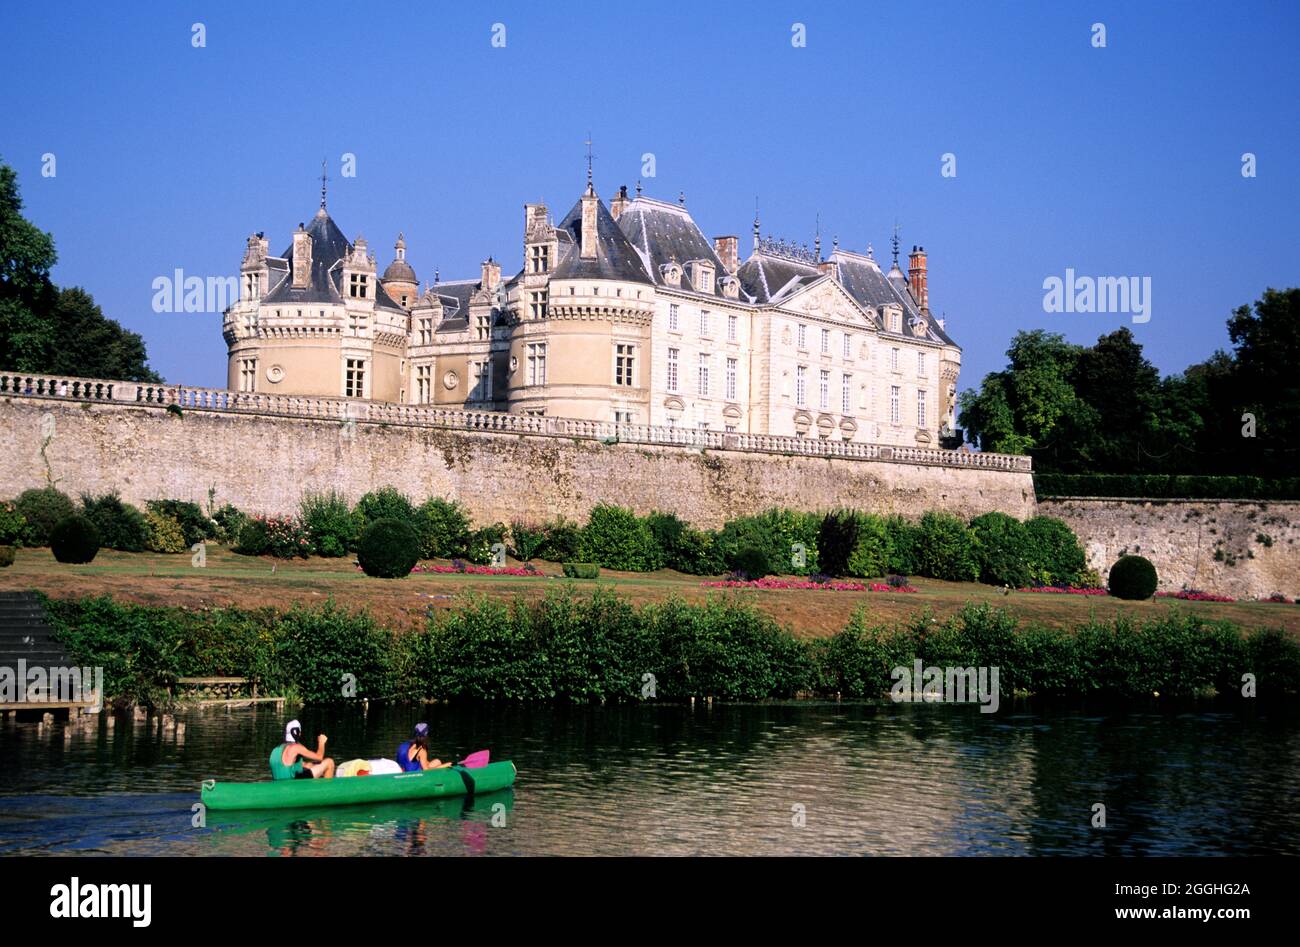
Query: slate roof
662, 233
328, 249
616, 259
861, 277
766, 278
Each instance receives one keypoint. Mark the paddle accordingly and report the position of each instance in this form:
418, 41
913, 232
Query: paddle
476, 760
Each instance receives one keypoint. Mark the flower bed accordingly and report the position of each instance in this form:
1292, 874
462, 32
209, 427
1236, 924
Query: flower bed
1065, 590
784, 584
1195, 595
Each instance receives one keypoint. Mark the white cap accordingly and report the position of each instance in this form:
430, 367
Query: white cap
289, 728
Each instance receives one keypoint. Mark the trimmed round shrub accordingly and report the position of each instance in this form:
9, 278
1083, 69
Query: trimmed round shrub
946, 549
13, 526
163, 533
581, 570
121, 526
7, 554
1133, 578
388, 549
74, 539
1004, 550
43, 509
1055, 557
753, 562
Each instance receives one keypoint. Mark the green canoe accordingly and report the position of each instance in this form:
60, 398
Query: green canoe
347, 790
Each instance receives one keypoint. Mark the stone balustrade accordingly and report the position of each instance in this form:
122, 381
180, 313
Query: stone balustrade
188, 398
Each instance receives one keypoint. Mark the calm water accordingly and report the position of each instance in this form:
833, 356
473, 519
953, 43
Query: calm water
726, 779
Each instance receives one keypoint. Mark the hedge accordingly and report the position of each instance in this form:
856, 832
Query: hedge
1166, 486
584, 648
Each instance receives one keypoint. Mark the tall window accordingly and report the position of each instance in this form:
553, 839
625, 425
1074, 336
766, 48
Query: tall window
826, 341
920, 408
537, 304
536, 363
893, 404
704, 375
357, 286
803, 336
248, 374
354, 379
732, 322
672, 317
539, 257
704, 324
482, 390
848, 345
893, 360
484, 324
423, 383
801, 385
426, 331
731, 379
624, 364
672, 369
622, 417
846, 394
920, 364
824, 390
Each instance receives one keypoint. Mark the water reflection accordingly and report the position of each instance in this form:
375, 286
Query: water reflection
794, 778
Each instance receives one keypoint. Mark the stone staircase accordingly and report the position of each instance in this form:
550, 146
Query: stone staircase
26, 635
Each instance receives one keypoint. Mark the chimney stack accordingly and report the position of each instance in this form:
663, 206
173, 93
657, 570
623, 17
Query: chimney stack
587, 251
491, 275
619, 203
916, 278
728, 250
301, 258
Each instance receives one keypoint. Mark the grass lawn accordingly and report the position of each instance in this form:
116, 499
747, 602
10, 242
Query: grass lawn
229, 579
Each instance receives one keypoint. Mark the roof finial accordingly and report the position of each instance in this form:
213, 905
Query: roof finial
894, 242
638, 187
681, 198
589, 157
817, 242
757, 237
323, 179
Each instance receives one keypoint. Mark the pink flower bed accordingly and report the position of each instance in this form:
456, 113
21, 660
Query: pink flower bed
1193, 595
1064, 590
783, 584
478, 570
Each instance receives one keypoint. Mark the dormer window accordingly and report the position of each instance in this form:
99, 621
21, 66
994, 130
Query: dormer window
703, 277
539, 258
672, 274
357, 286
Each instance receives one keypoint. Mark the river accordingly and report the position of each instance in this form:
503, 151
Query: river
792, 778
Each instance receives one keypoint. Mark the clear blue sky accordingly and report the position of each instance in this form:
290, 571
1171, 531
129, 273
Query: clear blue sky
1123, 161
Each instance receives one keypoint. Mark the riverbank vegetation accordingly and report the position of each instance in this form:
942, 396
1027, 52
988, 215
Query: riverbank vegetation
576, 647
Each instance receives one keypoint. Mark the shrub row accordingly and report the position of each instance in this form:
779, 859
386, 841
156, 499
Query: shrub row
583, 648
1167, 486
163, 526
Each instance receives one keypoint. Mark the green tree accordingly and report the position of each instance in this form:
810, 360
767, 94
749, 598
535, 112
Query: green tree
50, 330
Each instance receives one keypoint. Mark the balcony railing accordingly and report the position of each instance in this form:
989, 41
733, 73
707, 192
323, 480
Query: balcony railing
189, 398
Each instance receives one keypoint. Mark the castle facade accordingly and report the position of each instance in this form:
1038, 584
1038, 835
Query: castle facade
623, 311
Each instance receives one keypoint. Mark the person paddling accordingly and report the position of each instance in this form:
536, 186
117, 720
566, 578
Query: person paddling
413, 755
292, 760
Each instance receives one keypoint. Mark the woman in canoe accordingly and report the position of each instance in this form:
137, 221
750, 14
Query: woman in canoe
413, 755
292, 760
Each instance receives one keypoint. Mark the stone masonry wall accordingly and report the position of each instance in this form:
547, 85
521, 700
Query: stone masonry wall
265, 464
1245, 549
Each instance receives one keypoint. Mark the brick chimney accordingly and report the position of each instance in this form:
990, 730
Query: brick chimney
829, 267
916, 277
491, 275
619, 203
728, 250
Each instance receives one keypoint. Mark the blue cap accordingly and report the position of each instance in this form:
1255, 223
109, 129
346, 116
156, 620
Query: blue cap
421, 730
